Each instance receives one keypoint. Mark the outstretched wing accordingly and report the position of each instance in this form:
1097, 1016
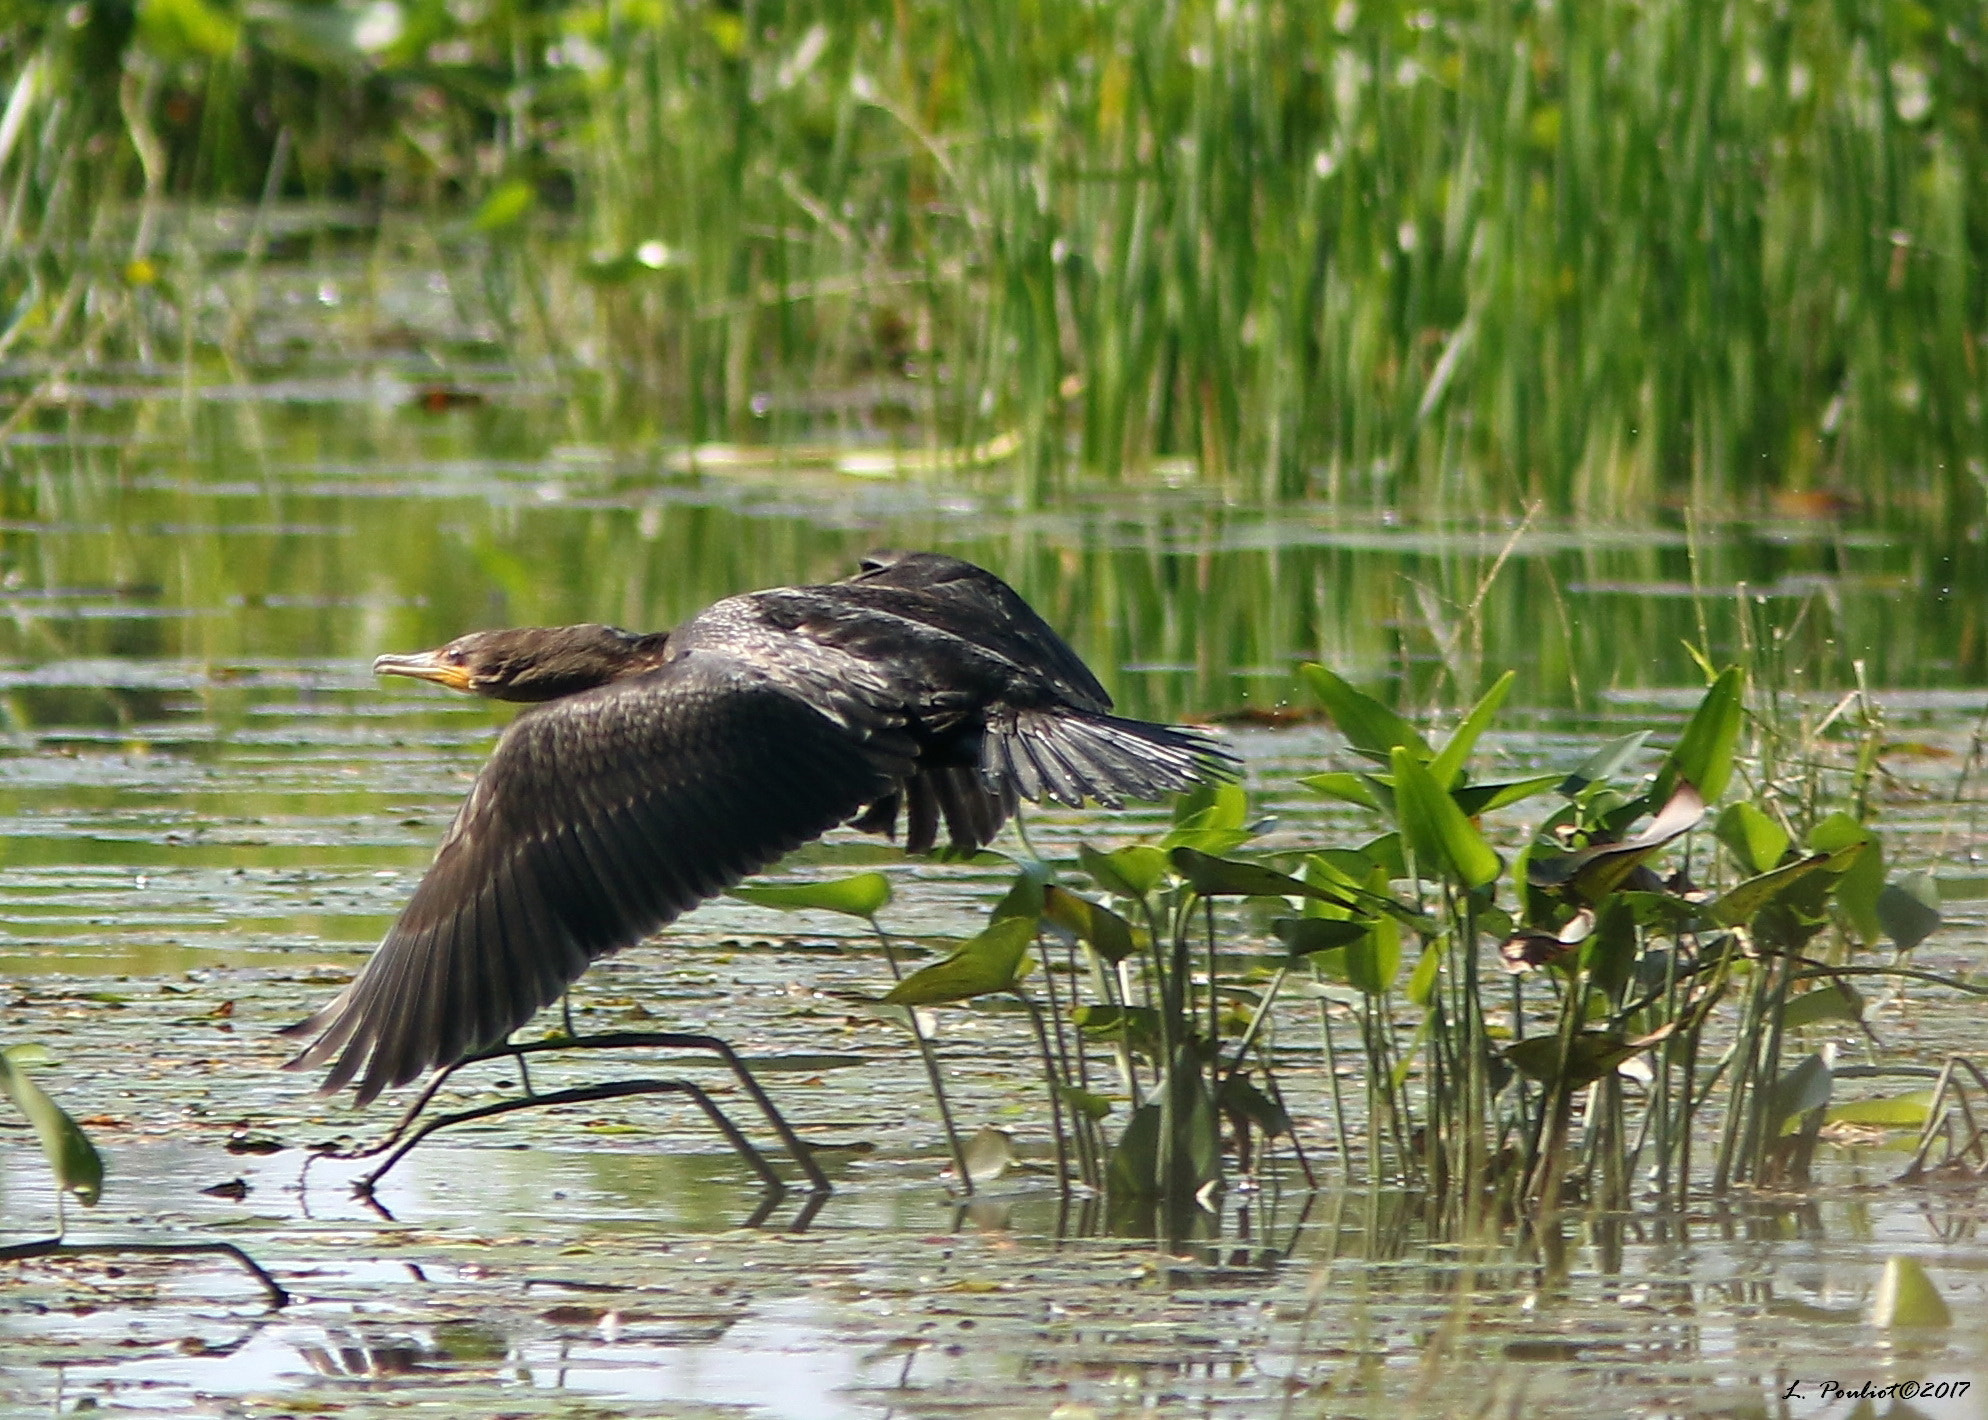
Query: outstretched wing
978, 607
1043, 725
598, 819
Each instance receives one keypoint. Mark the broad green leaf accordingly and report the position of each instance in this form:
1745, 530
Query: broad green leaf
983, 965
1134, 1169
1661, 910
1386, 851
1361, 789
1742, 903
1374, 960
1907, 1297
181, 29
1827, 1002
1350, 866
1403, 1067
1595, 872
988, 1154
1241, 1099
1906, 1111
1369, 726
1858, 889
1909, 910
1422, 980
1591, 1054
1340, 871
507, 202
1126, 872
1448, 765
1756, 840
1806, 1087
1303, 936
1478, 799
1435, 826
1608, 953
1024, 898
1604, 762
1206, 840
1137, 1026
1091, 923
1225, 877
864, 895
1091, 1106
1703, 757
1219, 805
72, 1158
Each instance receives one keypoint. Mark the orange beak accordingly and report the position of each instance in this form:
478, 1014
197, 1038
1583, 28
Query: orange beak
424, 665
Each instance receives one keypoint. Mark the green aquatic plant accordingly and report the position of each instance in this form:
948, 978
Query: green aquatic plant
73, 1162
77, 1170
1675, 996
1612, 1000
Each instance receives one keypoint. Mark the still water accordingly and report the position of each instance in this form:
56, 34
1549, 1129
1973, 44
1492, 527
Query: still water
209, 810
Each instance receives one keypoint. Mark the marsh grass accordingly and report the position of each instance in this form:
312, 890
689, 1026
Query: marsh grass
1599, 256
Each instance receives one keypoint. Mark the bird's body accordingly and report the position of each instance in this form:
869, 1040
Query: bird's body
654, 772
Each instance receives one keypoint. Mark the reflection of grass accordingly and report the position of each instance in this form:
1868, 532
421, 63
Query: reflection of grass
1603, 255
234, 550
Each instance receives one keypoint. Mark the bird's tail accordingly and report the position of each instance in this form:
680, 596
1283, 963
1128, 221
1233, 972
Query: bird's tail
1074, 755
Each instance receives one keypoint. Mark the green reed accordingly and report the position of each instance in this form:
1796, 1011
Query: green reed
1597, 255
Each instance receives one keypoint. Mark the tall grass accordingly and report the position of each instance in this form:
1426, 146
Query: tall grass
1601, 255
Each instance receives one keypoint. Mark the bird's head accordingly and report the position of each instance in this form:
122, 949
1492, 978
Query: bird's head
529, 663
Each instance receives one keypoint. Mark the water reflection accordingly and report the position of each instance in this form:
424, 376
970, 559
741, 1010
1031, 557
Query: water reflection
615, 1276
235, 540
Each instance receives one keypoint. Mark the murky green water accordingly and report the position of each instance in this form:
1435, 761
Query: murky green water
209, 810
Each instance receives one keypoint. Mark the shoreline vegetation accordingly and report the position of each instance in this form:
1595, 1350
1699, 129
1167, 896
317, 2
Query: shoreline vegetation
1597, 258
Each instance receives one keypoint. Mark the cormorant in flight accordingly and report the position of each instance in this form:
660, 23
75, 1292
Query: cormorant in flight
656, 771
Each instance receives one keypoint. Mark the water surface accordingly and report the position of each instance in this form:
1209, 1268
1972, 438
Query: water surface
209, 811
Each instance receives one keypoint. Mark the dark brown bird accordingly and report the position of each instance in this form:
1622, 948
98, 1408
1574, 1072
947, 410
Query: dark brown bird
656, 771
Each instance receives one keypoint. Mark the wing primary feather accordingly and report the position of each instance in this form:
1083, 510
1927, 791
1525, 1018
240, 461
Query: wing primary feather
376, 1002
1056, 781
1057, 754
402, 1020
514, 973
921, 831
1019, 769
542, 942
581, 896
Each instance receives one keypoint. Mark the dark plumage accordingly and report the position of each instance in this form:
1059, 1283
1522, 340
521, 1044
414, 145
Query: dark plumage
654, 772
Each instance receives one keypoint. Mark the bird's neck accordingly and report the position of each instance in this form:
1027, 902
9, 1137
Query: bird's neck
645, 653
